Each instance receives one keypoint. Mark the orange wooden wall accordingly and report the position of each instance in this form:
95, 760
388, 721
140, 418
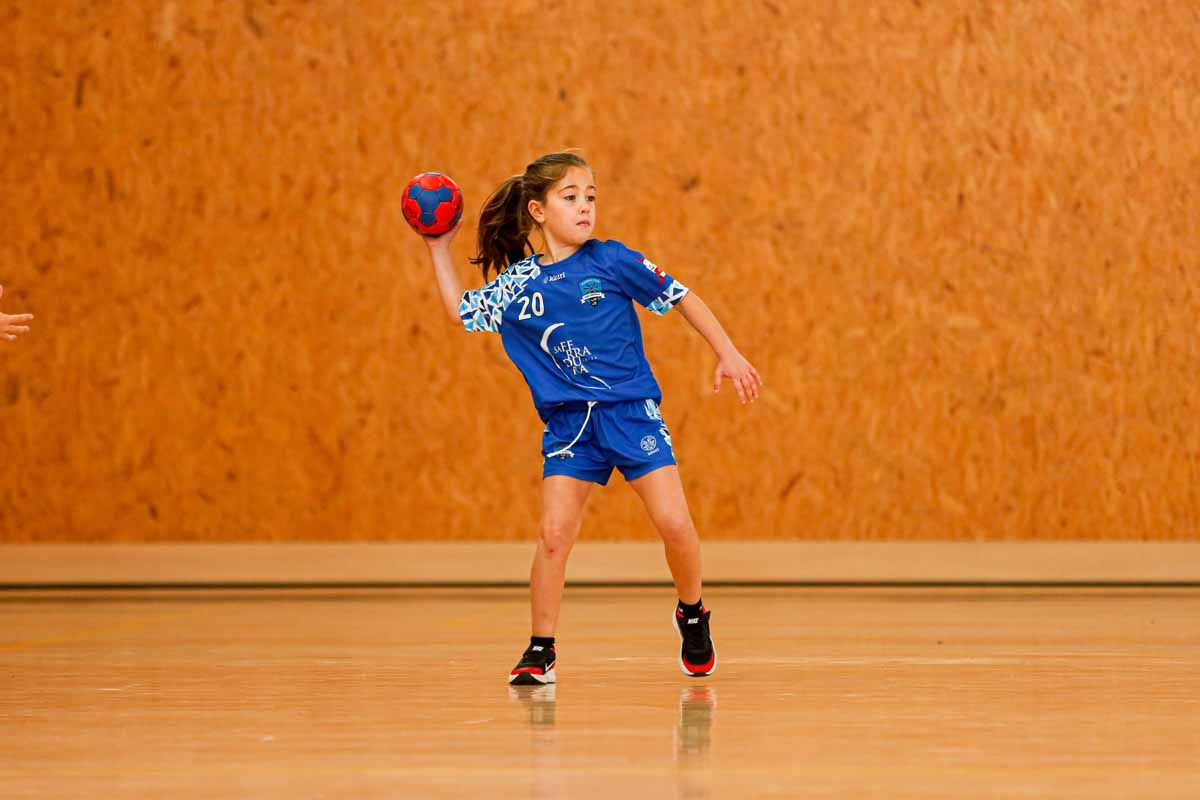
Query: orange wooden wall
959, 240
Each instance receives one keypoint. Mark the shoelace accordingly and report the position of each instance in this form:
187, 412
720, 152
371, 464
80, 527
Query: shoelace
545, 655
695, 636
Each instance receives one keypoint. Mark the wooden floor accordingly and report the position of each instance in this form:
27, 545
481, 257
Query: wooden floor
821, 692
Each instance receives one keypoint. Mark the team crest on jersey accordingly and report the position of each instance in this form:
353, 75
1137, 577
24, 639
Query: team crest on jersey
591, 290
648, 264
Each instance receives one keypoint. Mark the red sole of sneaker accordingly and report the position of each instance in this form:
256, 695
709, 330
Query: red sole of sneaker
529, 679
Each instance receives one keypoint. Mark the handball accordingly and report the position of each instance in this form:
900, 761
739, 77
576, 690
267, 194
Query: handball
432, 203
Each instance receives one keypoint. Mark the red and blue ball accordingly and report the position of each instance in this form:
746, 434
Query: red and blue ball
432, 203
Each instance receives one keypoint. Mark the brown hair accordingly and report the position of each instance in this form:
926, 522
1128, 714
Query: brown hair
504, 221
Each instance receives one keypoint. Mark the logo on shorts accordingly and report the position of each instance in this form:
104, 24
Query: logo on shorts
590, 288
649, 445
560, 451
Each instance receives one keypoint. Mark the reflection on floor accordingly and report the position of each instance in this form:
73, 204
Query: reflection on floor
942, 693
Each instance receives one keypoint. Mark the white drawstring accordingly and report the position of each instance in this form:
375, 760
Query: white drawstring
567, 449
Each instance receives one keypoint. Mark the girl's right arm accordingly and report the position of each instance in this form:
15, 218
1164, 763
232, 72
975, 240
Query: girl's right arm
449, 283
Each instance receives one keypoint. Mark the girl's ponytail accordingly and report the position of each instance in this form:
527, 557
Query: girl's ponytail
504, 221
504, 226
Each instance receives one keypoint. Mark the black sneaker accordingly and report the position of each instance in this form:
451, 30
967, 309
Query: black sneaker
535, 667
697, 656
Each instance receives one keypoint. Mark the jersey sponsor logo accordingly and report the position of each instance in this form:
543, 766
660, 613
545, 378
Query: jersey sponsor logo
558, 276
567, 351
649, 445
648, 264
572, 357
592, 291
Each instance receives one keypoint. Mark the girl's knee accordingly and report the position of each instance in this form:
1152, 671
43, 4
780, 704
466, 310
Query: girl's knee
677, 529
558, 536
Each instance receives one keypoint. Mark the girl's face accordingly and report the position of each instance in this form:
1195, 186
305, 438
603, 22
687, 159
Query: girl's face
568, 216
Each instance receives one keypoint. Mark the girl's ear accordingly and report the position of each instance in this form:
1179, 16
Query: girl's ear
537, 212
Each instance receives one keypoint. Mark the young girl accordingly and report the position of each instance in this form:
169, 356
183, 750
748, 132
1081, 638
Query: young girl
566, 319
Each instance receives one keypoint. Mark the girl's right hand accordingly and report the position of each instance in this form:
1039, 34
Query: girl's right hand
443, 241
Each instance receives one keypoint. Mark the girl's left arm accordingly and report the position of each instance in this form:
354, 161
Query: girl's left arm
730, 363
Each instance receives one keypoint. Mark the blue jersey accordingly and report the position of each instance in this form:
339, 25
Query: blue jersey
571, 328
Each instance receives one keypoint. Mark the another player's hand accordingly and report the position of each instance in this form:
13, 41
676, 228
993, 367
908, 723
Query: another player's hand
10, 326
743, 374
444, 240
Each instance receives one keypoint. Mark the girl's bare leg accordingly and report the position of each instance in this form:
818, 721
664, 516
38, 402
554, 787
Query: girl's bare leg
662, 493
563, 499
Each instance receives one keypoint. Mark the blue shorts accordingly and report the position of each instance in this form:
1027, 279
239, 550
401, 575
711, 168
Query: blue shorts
586, 440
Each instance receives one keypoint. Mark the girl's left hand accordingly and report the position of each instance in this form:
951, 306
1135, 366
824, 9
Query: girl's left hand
743, 374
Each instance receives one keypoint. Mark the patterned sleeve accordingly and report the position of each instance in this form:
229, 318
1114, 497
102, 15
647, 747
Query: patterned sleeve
639, 278
481, 310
